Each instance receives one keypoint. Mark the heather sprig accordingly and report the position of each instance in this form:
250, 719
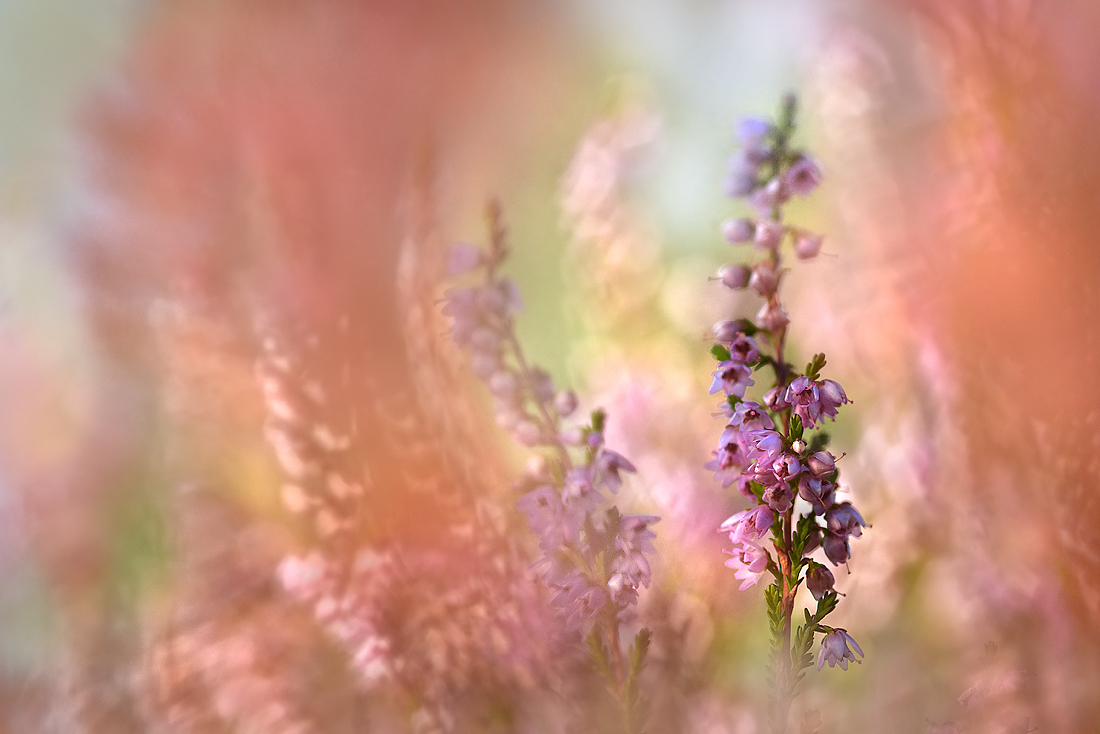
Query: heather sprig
774, 450
594, 558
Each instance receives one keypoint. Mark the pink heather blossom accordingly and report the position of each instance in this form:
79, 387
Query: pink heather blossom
749, 525
802, 177
734, 277
732, 378
737, 231
768, 234
749, 562
803, 396
835, 650
807, 246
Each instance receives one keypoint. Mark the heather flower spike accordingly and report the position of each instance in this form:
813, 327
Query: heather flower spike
766, 447
595, 559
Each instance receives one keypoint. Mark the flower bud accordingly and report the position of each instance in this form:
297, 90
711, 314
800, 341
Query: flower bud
806, 245
768, 234
565, 402
803, 176
821, 465
726, 331
737, 231
819, 580
734, 276
764, 280
772, 318
798, 446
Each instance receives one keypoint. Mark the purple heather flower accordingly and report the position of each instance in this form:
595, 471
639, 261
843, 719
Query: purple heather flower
764, 280
579, 494
803, 396
803, 176
764, 445
750, 561
734, 277
743, 349
608, 465
750, 416
778, 496
765, 199
819, 580
738, 231
786, 467
548, 518
768, 235
832, 397
775, 400
742, 177
821, 465
772, 317
806, 245
732, 378
749, 525
818, 492
595, 439
726, 331
835, 649
752, 131
580, 601
462, 258
725, 471
843, 521
634, 540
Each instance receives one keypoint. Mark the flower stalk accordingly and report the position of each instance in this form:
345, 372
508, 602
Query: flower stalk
774, 450
595, 559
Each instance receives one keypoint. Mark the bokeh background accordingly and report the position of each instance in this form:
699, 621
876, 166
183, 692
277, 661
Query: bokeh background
212, 212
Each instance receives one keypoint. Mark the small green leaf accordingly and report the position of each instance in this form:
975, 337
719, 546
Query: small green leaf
599, 420
796, 427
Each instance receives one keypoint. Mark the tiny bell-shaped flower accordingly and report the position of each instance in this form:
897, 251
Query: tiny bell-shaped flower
821, 465
806, 245
726, 331
768, 234
819, 580
764, 280
803, 176
835, 649
734, 277
772, 317
738, 231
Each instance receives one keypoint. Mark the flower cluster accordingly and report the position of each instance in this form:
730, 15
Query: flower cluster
766, 448
594, 558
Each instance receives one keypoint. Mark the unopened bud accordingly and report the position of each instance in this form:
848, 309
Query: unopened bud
734, 276
821, 465
768, 234
764, 280
806, 245
737, 231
